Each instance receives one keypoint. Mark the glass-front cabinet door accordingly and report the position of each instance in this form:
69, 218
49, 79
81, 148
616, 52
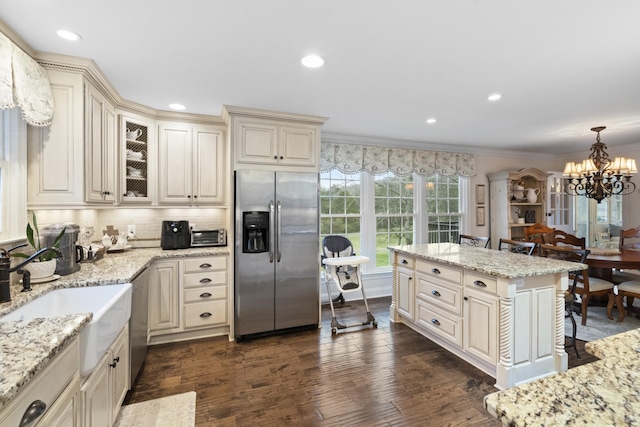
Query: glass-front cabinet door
559, 204
136, 166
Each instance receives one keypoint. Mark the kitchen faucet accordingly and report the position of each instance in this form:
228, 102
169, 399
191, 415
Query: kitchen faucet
5, 270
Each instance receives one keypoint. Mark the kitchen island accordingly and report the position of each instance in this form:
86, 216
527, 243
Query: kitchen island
602, 393
499, 311
27, 347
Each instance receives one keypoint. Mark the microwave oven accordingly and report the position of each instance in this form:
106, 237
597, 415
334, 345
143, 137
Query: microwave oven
200, 238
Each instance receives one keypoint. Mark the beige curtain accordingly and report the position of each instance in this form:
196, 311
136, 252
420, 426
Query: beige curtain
24, 83
352, 158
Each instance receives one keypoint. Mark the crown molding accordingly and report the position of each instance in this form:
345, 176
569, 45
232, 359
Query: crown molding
15, 38
231, 110
429, 146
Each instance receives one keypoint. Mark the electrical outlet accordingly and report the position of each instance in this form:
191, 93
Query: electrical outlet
131, 229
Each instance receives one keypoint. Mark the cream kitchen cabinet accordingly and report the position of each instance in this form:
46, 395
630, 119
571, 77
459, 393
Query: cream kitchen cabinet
101, 148
190, 299
272, 140
483, 308
55, 154
164, 297
138, 154
405, 282
191, 163
57, 387
105, 388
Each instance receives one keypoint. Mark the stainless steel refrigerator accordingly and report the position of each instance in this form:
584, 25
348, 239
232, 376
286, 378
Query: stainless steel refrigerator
276, 251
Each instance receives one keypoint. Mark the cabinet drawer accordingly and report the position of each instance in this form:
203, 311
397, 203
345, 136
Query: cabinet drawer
404, 261
439, 270
205, 294
445, 325
46, 386
205, 264
441, 294
483, 283
207, 313
205, 279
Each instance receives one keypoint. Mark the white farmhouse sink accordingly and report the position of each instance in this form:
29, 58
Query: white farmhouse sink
111, 308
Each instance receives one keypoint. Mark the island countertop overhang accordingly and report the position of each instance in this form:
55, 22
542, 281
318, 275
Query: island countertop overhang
488, 261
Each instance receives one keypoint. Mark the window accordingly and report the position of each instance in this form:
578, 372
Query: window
442, 198
592, 217
393, 199
13, 176
375, 212
340, 206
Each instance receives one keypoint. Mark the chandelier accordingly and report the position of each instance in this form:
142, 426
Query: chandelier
598, 177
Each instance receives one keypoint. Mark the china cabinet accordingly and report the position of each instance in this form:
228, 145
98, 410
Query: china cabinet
137, 153
272, 140
191, 161
518, 200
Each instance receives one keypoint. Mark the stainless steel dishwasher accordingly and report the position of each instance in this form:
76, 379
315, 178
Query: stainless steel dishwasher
138, 324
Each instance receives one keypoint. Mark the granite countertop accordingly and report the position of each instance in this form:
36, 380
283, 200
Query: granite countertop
26, 347
602, 393
489, 261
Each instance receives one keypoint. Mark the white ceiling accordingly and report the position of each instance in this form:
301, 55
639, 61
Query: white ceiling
562, 66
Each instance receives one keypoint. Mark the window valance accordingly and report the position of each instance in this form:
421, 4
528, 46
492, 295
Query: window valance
352, 158
24, 83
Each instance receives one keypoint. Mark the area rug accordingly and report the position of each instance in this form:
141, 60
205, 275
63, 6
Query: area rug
172, 411
599, 326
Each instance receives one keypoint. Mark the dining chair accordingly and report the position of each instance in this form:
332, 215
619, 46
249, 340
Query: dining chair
629, 240
572, 254
586, 286
629, 289
562, 238
534, 233
517, 246
477, 241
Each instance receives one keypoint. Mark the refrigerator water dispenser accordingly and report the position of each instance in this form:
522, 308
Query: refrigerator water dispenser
255, 232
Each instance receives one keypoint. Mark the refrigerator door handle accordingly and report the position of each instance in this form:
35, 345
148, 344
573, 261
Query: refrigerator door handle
272, 230
279, 228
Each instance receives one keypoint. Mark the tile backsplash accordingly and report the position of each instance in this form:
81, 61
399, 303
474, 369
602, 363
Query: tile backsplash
148, 222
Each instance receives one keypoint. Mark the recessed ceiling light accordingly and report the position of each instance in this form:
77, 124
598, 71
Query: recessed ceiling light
69, 35
494, 97
312, 61
431, 121
178, 107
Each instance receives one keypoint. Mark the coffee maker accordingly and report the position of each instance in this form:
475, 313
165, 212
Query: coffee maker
71, 252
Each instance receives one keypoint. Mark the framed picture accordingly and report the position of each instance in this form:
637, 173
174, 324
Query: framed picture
480, 216
480, 194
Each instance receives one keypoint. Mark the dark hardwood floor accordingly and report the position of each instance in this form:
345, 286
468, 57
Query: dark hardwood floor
389, 376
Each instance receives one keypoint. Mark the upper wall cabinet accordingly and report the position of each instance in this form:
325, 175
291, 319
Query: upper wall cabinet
191, 164
101, 148
270, 140
138, 154
55, 154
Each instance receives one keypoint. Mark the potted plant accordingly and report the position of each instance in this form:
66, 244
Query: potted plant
44, 265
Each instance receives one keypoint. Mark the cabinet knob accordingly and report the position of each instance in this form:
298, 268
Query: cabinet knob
281, 157
466, 298
275, 157
195, 197
206, 315
404, 261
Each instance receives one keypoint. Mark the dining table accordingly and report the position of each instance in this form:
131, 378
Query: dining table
602, 261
